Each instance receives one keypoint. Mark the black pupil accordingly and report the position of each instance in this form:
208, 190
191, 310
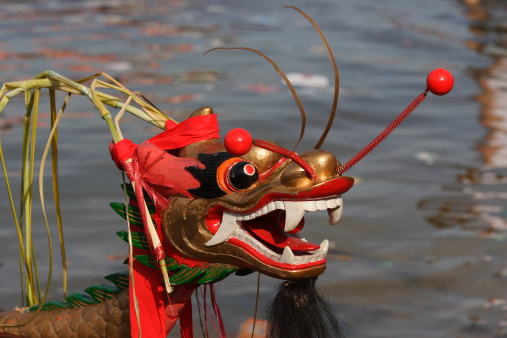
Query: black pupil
241, 177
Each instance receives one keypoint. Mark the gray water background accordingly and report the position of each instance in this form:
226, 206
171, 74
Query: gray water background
421, 249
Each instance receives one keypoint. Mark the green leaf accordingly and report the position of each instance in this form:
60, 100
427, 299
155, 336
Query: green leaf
120, 279
79, 300
53, 305
147, 260
102, 292
216, 273
139, 239
134, 215
132, 195
185, 275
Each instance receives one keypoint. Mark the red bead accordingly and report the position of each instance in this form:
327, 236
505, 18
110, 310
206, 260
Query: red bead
238, 141
440, 81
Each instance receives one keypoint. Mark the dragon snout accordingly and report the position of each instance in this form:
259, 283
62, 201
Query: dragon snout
323, 163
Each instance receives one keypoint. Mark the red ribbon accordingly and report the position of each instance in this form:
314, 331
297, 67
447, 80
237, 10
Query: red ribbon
192, 130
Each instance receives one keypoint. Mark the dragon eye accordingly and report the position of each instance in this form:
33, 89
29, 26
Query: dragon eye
242, 175
235, 174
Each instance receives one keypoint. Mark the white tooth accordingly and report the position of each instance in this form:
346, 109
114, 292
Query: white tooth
287, 256
321, 253
335, 214
279, 205
332, 203
322, 205
264, 210
310, 206
258, 213
270, 207
324, 246
227, 227
299, 260
306, 259
294, 212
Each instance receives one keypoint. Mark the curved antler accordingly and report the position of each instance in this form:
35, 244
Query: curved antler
285, 79
336, 76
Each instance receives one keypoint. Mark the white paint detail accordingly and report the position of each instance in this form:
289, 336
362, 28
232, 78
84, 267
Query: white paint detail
311, 205
287, 256
335, 214
294, 212
228, 226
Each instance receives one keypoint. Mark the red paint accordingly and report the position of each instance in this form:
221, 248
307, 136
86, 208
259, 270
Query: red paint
249, 169
238, 141
440, 81
289, 267
274, 236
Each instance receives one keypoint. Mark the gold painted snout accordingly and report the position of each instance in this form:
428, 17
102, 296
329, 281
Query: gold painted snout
323, 162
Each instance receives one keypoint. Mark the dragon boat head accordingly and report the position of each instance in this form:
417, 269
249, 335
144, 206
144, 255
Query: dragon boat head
249, 207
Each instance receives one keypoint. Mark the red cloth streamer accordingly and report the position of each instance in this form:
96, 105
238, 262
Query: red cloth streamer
186, 325
150, 294
218, 314
193, 129
159, 174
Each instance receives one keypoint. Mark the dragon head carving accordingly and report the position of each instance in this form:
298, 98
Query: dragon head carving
248, 210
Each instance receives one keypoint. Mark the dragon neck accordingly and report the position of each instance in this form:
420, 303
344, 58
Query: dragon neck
185, 277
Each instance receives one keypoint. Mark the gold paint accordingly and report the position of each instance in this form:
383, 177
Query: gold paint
186, 208
324, 163
201, 111
202, 147
263, 158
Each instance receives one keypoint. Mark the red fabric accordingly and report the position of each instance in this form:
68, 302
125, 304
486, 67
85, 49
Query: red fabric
191, 130
122, 151
150, 294
151, 170
186, 323
161, 175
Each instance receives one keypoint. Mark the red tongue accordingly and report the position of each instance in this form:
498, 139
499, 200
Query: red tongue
273, 235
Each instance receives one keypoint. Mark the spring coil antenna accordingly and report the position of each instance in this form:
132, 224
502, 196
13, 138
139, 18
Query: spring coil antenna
384, 134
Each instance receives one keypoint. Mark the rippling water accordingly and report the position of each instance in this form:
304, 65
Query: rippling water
421, 249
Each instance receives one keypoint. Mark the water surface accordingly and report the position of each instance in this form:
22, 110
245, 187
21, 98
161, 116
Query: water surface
420, 251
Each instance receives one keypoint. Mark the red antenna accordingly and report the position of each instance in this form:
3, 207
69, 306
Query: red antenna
439, 82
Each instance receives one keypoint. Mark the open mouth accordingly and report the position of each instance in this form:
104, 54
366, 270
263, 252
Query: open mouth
270, 232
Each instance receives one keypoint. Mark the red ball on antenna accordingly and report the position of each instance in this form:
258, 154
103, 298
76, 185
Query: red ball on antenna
238, 141
440, 81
